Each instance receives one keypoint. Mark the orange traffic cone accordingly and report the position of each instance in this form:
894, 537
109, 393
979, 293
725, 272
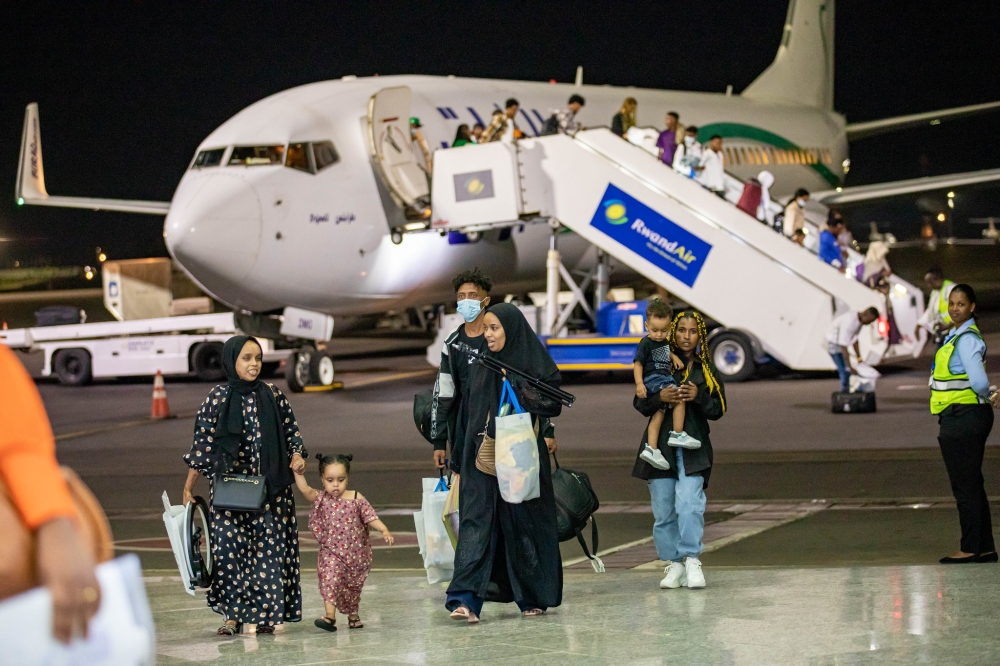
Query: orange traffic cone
161, 408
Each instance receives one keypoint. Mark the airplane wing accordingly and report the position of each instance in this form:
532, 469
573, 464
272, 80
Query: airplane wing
873, 127
30, 188
883, 190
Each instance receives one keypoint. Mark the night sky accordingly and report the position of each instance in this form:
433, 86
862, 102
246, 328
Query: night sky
128, 90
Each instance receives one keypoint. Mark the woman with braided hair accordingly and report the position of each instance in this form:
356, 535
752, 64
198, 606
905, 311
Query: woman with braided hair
678, 494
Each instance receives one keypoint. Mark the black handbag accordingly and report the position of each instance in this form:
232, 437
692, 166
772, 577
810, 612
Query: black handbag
239, 492
576, 503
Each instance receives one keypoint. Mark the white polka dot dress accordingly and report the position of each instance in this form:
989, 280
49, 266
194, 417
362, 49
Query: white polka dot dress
255, 579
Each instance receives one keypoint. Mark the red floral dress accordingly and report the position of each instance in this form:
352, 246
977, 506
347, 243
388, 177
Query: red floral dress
345, 552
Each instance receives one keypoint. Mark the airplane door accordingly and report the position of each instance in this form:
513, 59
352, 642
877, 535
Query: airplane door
392, 149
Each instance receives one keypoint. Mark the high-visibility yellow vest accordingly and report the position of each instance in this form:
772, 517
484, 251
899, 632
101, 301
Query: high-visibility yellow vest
946, 388
943, 302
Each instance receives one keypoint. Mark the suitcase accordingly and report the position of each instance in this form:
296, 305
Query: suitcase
853, 403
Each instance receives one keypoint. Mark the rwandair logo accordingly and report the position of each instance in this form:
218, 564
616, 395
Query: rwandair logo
475, 187
614, 212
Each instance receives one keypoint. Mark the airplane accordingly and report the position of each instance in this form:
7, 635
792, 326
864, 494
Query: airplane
316, 197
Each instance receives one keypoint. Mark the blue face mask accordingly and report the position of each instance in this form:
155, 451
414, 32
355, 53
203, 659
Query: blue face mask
469, 309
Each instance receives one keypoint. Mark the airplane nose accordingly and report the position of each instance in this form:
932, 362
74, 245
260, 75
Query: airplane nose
215, 233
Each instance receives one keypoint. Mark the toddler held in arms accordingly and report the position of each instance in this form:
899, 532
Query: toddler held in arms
339, 518
653, 367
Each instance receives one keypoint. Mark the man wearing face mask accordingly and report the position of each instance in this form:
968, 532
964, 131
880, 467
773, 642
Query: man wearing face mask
449, 417
795, 218
687, 157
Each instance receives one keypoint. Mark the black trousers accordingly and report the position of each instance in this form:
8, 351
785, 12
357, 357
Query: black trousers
964, 429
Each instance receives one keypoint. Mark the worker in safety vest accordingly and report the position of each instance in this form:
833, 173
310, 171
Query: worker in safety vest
961, 397
935, 318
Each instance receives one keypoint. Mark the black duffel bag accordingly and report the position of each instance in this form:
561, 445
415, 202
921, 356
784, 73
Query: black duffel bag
576, 503
423, 403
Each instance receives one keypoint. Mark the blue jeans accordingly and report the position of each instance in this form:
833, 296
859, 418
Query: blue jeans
656, 382
678, 513
845, 374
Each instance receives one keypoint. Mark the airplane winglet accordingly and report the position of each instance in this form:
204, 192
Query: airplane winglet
30, 187
30, 174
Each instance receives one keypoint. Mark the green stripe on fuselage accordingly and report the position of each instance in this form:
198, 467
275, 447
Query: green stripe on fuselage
740, 131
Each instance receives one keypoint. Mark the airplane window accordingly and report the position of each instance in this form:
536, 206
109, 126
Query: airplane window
827, 159
256, 155
298, 157
763, 156
325, 154
208, 158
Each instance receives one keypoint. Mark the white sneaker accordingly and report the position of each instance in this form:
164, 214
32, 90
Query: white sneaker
654, 457
692, 571
676, 576
683, 440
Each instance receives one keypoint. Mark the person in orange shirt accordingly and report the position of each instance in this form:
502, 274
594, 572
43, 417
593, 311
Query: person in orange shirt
36, 487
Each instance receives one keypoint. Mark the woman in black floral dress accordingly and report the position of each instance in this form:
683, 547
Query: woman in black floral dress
247, 427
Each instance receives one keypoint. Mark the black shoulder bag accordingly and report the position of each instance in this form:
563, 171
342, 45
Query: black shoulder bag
239, 492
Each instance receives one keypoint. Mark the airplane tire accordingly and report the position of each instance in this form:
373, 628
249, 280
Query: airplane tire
396, 237
732, 356
206, 361
321, 371
297, 369
72, 366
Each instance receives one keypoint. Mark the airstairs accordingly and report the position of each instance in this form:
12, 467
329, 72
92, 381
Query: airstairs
663, 225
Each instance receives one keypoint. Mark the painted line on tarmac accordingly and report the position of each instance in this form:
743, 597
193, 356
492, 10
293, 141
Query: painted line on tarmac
121, 426
145, 422
390, 378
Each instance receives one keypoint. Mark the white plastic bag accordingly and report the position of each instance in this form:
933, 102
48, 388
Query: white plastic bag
174, 519
121, 634
864, 379
516, 452
432, 537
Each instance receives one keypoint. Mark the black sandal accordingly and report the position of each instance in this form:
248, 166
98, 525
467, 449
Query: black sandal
355, 622
229, 629
265, 629
326, 623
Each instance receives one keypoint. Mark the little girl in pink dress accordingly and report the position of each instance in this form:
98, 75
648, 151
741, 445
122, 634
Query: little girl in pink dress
339, 519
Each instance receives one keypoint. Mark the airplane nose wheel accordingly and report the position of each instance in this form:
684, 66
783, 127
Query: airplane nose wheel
308, 367
297, 369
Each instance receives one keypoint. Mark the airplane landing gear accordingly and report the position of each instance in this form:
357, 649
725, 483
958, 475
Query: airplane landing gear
306, 368
396, 237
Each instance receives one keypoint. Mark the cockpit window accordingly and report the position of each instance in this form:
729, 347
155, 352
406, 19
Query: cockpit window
298, 157
208, 158
256, 155
325, 154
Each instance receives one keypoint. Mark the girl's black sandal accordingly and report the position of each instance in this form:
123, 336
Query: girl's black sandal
325, 623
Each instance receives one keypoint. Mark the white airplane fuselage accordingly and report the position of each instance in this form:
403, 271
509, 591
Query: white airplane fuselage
264, 237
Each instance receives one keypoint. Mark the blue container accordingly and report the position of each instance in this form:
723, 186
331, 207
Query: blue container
613, 319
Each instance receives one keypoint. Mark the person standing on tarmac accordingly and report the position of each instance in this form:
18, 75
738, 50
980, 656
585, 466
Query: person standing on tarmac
678, 494
936, 319
449, 406
961, 398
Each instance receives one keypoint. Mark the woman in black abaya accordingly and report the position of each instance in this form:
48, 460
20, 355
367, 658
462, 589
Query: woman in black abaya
506, 552
247, 427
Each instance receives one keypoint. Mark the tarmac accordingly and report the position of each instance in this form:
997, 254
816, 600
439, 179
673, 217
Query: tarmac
823, 530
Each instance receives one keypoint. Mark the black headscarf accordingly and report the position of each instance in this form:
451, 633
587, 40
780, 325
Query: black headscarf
522, 351
273, 447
